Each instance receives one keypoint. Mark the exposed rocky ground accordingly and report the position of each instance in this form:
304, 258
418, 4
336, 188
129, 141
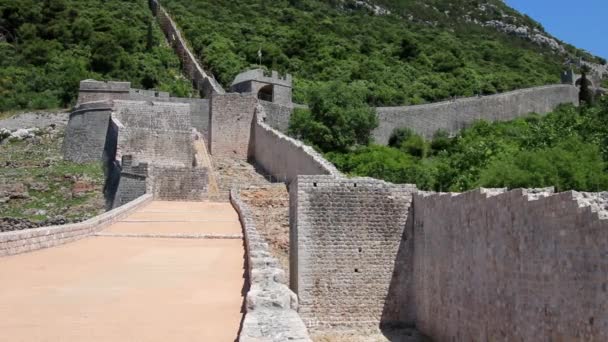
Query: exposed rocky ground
234, 173
269, 202
269, 205
38, 188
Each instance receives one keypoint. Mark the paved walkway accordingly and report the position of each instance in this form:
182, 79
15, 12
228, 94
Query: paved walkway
129, 285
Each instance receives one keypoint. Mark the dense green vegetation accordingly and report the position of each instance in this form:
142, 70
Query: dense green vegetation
567, 149
48, 46
338, 118
398, 60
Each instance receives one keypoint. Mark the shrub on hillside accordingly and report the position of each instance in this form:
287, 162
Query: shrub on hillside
338, 119
571, 164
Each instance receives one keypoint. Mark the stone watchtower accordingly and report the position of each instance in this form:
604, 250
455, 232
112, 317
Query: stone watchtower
271, 88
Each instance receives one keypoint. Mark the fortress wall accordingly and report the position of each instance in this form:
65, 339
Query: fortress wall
92, 91
271, 310
147, 95
230, 124
199, 108
130, 187
202, 81
277, 115
282, 94
132, 182
158, 133
24, 241
345, 237
85, 134
507, 268
199, 113
285, 158
179, 183
453, 116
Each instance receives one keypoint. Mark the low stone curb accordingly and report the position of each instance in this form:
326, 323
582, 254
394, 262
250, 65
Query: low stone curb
271, 306
28, 240
174, 236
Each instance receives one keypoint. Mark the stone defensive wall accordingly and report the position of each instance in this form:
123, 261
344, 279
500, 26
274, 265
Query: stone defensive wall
165, 183
480, 266
88, 125
238, 128
33, 239
346, 235
96, 91
203, 81
511, 266
277, 115
271, 307
172, 183
284, 158
92, 91
230, 124
131, 182
157, 133
452, 116
154, 140
85, 134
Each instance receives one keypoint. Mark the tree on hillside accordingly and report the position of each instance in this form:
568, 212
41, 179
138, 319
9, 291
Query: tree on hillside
150, 37
409, 48
585, 94
339, 117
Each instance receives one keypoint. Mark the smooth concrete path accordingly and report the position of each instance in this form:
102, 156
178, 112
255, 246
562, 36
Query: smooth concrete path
131, 289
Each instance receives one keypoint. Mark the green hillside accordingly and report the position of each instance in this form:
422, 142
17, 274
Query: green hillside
422, 51
48, 46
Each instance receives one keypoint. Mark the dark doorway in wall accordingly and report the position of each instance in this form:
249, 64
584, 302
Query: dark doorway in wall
265, 94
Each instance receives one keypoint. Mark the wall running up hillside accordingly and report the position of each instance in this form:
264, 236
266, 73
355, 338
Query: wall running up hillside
453, 116
201, 80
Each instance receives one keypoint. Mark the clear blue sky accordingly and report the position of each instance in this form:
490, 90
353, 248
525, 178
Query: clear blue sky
582, 23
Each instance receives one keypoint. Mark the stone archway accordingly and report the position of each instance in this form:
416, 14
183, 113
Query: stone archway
266, 93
